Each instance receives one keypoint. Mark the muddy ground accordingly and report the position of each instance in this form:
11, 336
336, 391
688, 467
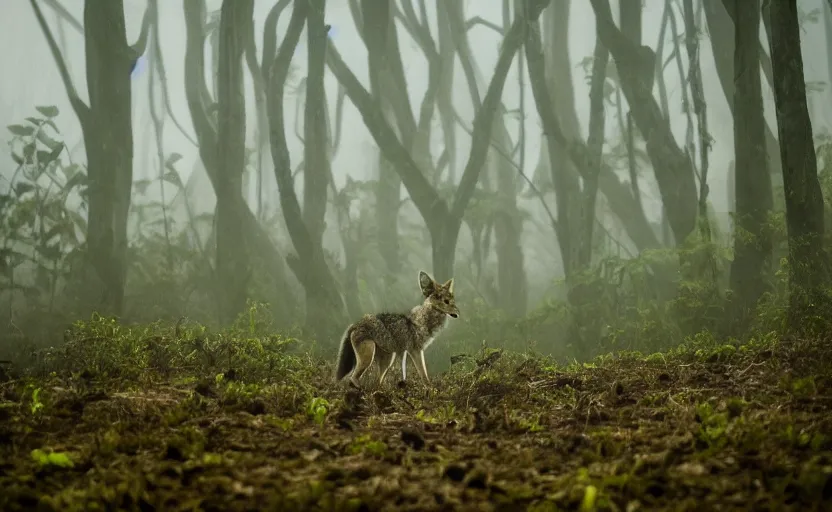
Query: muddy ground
720, 428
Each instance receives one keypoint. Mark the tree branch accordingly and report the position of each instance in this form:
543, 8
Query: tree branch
276, 82
484, 119
81, 109
425, 198
159, 63
478, 20
672, 167
66, 15
138, 48
195, 87
270, 36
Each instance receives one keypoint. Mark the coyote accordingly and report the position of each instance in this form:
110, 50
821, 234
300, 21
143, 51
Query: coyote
383, 336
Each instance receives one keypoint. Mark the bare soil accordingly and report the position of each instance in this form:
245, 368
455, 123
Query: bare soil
726, 428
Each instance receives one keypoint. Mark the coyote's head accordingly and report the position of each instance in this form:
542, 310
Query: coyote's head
438, 296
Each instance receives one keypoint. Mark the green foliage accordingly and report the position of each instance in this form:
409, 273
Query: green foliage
108, 349
42, 222
317, 409
57, 459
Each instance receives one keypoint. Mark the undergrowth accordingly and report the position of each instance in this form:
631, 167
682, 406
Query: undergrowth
175, 417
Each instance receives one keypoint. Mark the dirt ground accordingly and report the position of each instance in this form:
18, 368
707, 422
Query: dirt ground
726, 428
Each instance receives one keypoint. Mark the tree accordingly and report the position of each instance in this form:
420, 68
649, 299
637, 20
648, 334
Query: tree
233, 267
635, 64
375, 23
305, 225
498, 189
562, 131
443, 221
723, 40
201, 107
808, 270
106, 124
752, 240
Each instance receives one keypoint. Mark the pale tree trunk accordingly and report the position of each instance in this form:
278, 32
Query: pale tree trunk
595, 144
563, 171
322, 298
511, 296
377, 28
443, 222
205, 126
324, 306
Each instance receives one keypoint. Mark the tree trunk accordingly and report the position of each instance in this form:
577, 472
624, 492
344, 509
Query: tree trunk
672, 167
443, 223
323, 301
108, 138
378, 31
445, 93
508, 230
721, 29
324, 307
507, 222
620, 199
564, 172
752, 187
233, 267
595, 144
199, 99
107, 129
804, 200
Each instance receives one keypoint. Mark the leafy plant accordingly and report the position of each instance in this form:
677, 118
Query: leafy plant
42, 221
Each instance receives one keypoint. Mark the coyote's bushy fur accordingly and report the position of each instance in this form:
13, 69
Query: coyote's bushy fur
383, 336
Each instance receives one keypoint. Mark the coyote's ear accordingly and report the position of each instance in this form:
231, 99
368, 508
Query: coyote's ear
426, 283
449, 286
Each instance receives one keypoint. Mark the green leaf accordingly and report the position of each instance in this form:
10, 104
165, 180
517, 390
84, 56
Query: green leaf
46, 157
49, 141
77, 179
172, 159
79, 220
71, 170
48, 111
173, 178
53, 125
51, 252
29, 152
56, 152
21, 187
140, 186
57, 229
20, 130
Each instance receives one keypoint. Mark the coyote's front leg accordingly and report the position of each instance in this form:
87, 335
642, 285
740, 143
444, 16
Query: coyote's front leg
419, 361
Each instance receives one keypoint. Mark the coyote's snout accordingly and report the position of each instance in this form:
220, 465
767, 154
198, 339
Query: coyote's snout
380, 337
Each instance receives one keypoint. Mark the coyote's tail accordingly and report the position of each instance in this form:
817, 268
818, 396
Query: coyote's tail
346, 356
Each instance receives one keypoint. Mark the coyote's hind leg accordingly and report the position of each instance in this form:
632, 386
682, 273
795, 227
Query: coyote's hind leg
365, 351
385, 360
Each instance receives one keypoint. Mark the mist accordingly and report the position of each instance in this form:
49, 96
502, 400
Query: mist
533, 214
